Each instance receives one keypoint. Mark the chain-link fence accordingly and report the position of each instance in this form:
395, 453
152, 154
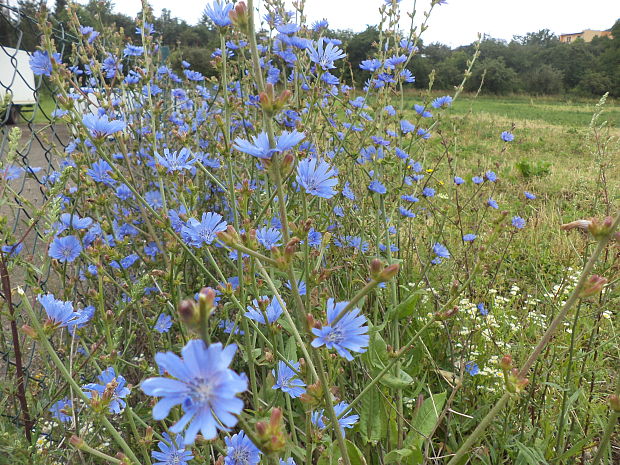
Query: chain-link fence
26, 102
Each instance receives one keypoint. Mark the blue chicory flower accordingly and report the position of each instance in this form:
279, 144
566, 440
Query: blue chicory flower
163, 323
65, 249
218, 13
107, 376
317, 177
349, 334
287, 381
202, 384
197, 233
269, 237
171, 452
273, 311
240, 450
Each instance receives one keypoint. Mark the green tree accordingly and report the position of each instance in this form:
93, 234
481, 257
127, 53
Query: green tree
498, 78
544, 79
358, 48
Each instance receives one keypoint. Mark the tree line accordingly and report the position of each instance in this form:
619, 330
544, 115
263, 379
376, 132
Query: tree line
535, 63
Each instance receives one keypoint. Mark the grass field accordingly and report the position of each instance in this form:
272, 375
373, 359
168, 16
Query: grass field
557, 156
554, 152
556, 111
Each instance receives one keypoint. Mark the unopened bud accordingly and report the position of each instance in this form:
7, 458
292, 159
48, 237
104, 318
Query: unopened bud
287, 163
206, 299
283, 99
454, 288
506, 362
600, 229
28, 330
376, 267
593, 285
515, 383
276, 417
261, 428
291, 248
239, 16
229, 236
267, 99
389, 272
77, 442
521, 383
187, 312
442, 316
310, 321
123, 458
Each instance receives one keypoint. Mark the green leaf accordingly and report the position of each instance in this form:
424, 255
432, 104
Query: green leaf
291, 349
406, 308
331, 454
402, 381
575, 450
373, 418
404, 456
530, 455
376, 355
425, 419
355, 455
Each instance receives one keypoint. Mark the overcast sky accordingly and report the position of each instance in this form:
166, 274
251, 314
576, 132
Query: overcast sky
456, 23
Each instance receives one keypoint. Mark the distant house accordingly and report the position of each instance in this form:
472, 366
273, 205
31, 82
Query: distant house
587, 35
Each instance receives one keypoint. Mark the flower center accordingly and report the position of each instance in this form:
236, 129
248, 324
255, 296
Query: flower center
202, 393
241, 456
335, 336
174, 459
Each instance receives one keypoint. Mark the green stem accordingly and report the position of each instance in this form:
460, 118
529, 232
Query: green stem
356, 298
405, 349
288, 317
86, 448
132, 424
559, 446
557, 321
65, 374
609, 429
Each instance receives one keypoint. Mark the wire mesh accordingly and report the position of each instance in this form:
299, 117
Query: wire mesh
41, 138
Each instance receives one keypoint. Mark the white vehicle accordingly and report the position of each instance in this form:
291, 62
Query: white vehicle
16, 81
